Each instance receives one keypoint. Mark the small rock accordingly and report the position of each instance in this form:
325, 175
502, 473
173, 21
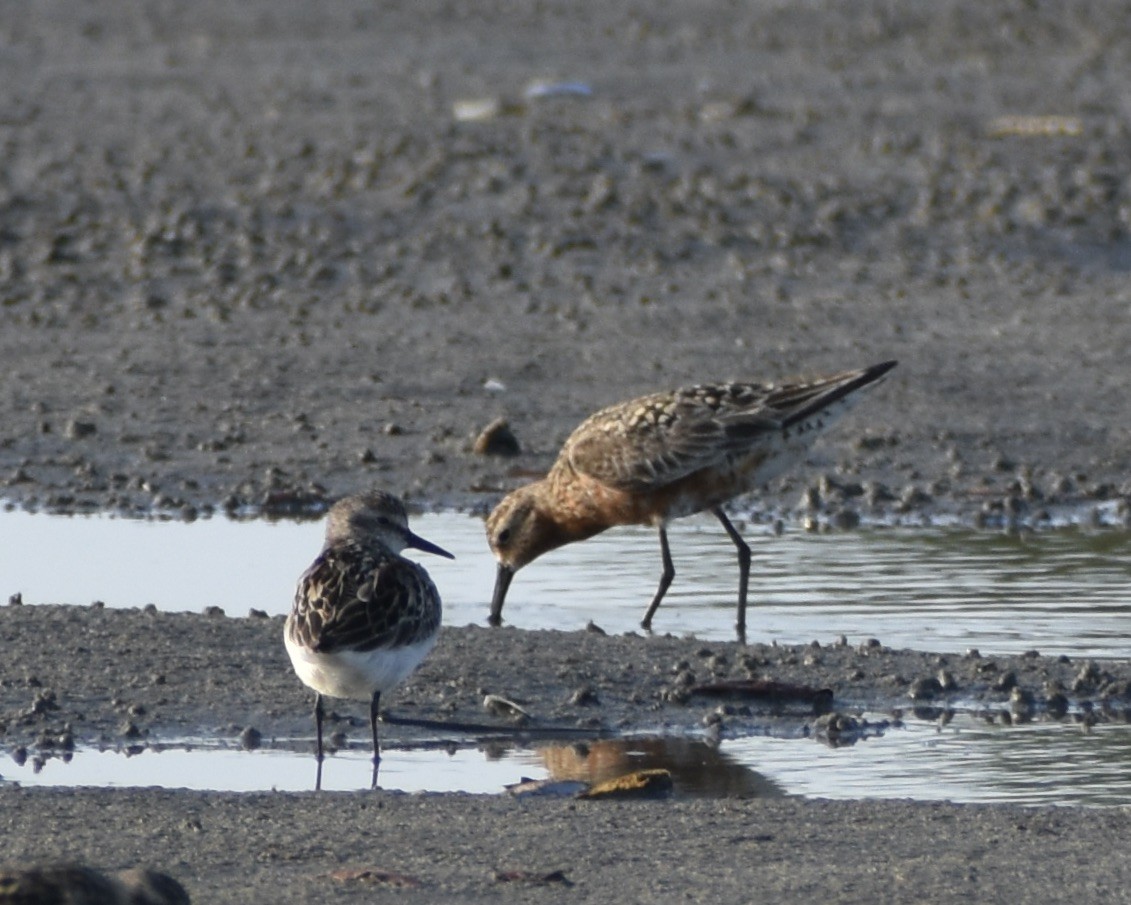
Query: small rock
1006, 682
844, 520
77, 883
497, 439
810, 500
834, 725
925, 689
946, 680
584, 697
912, 496
497, 705
44, 702
1020, 700
76, 430
1057, 705
536, 878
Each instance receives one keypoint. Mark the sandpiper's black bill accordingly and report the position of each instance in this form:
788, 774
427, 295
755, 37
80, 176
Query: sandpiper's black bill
419, 543
502, 582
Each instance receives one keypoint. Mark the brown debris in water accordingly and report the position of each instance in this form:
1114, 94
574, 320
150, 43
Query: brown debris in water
655, 783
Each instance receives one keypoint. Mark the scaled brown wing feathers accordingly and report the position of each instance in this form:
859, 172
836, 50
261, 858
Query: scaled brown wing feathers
655, 440
367, 589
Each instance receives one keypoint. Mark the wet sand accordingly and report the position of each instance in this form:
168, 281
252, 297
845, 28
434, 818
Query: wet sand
255, 257
128, 680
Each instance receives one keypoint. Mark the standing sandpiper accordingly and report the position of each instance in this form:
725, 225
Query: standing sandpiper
364, 617
660, 457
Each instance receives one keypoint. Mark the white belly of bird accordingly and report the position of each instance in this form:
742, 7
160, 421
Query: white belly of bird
357, 674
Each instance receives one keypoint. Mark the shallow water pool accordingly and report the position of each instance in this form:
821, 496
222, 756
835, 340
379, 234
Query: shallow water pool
946, 589
966, 761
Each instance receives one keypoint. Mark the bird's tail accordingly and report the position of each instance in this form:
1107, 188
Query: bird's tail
801, 401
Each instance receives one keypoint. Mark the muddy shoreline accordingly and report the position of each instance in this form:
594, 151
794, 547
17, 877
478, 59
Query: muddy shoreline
254, 257
231, 282
117, 678
131, 680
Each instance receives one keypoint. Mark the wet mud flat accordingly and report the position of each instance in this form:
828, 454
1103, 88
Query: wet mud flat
394, 847
258, 257
253, 257
131, 678
119, 678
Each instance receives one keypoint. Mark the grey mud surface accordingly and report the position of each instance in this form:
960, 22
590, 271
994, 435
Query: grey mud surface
254, 256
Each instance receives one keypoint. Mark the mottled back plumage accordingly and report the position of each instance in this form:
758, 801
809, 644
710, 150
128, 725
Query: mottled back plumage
361, 597
658, 439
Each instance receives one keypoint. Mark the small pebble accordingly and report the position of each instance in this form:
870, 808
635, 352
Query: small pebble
251, 738
497, 705
1006, 682
925, 689
76, 430
497, 439
584, 697
946, 680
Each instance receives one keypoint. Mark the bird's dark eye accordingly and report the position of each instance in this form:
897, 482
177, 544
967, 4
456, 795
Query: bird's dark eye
504, 536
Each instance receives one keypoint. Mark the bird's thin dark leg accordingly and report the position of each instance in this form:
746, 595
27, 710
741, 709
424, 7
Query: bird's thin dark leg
665, 579
373, 705
743, 570
318, 740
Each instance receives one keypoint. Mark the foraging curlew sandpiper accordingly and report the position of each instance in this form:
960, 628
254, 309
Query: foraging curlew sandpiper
663, 456
364, 617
